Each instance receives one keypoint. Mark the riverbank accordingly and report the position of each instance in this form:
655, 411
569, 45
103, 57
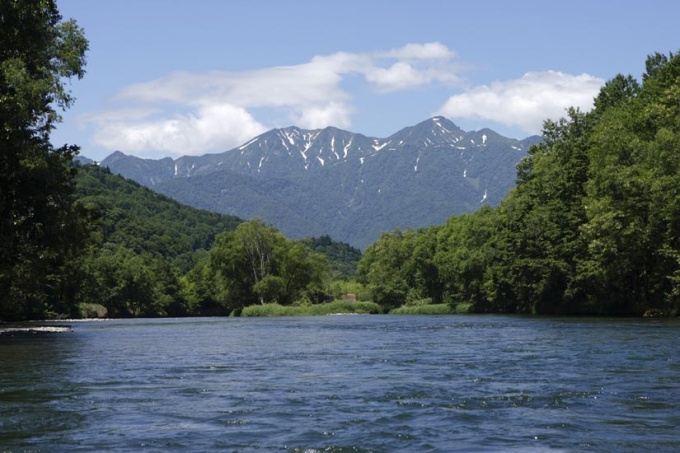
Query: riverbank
329, 308
31, 329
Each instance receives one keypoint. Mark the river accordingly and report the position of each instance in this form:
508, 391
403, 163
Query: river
344, 384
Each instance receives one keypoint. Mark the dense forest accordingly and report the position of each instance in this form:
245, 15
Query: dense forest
152, 256
591, 228
148, 255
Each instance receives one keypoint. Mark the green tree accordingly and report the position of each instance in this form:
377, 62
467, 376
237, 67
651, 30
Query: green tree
228, 273
633, 207
616, 92
464, 254
271, 288
256, 264
304, 273
259, 243
205, 294
386, 269
424, 273
343, 257
40, 225
538, 243
592, 227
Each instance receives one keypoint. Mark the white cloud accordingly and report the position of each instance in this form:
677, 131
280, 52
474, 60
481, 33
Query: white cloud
209, 128
277, 86
320, 116
525, 102
431, 50
415, 65
398, 76
404, 75
196, 113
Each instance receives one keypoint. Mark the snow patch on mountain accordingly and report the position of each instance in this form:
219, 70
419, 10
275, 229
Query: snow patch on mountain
242, 147
346, 149
378, 146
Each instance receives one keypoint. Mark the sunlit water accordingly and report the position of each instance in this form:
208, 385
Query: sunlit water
344, 383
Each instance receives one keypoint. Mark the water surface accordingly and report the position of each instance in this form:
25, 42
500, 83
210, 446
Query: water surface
344, 383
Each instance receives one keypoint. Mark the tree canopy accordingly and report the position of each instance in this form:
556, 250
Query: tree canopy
40, 225
255, 264
592, 226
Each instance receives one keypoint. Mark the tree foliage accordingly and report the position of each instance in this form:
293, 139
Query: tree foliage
399, 268
592, 227
342, 257
255, 264
41, 227
151, 256
142, 246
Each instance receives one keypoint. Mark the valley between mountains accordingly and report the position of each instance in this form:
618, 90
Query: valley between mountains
309, 183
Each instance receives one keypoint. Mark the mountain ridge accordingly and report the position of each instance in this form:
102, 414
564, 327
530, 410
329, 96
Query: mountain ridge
346, 185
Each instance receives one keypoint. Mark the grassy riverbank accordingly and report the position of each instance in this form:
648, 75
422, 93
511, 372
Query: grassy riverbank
432, 309
348, 307
330, 308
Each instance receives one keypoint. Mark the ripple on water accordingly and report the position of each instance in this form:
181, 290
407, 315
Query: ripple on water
343, 384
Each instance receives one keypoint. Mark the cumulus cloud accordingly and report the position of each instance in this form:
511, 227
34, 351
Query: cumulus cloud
208, 128
427, 51
525, 102
317, 117
197, 113
415, 65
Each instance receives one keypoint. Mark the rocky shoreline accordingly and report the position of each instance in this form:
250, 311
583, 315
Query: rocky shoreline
28, 329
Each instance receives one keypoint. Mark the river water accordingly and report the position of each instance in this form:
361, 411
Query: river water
344, 384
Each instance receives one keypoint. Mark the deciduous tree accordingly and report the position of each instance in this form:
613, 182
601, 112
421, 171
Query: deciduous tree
40, 225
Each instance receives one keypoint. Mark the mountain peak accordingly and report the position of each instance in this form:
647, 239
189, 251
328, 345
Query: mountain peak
441, 123
117, 154
434, 131
443, 120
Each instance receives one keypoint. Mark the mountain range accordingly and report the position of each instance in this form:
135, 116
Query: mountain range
337, 183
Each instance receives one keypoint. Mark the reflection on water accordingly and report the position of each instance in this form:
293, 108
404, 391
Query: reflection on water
349, 383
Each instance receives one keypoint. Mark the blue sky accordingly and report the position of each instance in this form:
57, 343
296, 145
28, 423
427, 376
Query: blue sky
187, 77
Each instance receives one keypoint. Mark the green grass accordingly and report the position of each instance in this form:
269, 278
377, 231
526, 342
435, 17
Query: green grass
432, 309
337, 306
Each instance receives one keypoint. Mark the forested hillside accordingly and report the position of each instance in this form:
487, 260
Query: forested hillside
343, 257
146, 222
148, 255
152, 256
141, 243
593, 226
